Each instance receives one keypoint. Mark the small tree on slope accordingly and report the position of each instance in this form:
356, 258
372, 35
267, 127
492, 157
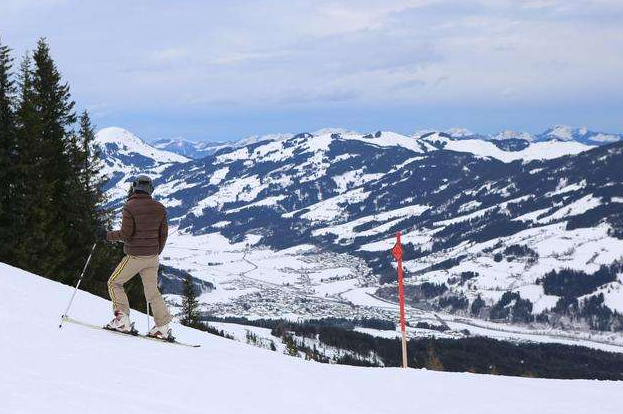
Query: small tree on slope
190, 305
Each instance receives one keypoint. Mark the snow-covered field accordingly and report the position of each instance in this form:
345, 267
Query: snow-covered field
302, 282
76, 369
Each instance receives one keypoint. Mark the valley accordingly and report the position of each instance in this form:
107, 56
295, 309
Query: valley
299, 227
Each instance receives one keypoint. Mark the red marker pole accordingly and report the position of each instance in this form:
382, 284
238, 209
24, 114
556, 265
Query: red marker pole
397, 253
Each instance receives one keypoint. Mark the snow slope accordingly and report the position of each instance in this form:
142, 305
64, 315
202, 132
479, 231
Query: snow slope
545, 150
129, 143
77, 367
47, 370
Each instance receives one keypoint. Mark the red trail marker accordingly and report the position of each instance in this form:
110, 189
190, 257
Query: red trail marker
397, 253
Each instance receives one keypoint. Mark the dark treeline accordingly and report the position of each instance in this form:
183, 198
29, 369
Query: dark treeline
475, 354
575, 283
50, 188
349, 324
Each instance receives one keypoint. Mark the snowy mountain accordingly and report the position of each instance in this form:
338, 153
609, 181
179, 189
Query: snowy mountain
479, 221
63, 371
125, 155
581, 134
254, 139
512, 135
189, 149
506, 140
200, 149
505, 150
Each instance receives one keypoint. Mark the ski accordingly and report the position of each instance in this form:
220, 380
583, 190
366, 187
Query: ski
132, 333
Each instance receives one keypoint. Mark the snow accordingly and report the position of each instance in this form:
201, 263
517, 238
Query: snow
506, 134
537, 151
129, 143
562, 132
242, 189
347, 230
473, 215
354, 178
332, 208
459, 132
532, 216
268, 201
77, 367
390, 139
564, 188
580, 206
219, 175
416, 238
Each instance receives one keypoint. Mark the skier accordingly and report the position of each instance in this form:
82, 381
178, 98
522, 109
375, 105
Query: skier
144, 233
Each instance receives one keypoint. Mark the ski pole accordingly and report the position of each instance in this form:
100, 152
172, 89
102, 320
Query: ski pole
77, 285
148, 328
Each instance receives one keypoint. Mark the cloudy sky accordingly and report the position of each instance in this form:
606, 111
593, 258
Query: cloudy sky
219, 70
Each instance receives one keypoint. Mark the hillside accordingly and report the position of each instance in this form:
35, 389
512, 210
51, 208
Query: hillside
301, 225
63, 371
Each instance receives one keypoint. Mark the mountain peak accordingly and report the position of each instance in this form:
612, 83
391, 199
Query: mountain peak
579, 134
117, 135
508, 134
457, 132
123, 142
561, 132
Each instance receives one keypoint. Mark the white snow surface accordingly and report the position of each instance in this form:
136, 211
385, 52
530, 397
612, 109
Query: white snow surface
130, 143
536, 151
47, 370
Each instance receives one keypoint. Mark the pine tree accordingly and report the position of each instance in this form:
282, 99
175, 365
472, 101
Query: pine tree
8, 151
33, 191
190, 304
432, 360
57, 117
85, 190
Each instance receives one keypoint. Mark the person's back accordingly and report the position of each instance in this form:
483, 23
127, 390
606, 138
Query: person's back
144, 234
144, 226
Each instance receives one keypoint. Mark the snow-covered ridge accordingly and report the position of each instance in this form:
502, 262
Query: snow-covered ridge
189, 149
126, 143
507, 134
533, 151
581, 134
77, 367
125, 155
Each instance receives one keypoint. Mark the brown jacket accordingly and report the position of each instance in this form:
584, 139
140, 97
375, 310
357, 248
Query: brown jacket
144, 226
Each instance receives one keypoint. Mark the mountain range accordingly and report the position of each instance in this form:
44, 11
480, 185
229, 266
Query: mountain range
513, 228
200, 149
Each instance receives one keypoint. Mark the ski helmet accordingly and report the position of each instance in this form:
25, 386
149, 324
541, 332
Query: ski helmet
143, 183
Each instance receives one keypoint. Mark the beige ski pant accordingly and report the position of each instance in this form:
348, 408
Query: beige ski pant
147, 266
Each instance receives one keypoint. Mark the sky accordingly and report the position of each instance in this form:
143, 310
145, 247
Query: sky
222, 70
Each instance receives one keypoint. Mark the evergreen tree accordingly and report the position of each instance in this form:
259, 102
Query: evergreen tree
51, 194
8, 151
33, 189
85, 214
432, 360
57, 116
291, 348
190, 305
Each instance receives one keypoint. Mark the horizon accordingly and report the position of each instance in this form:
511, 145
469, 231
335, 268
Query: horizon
221, 72
412, 133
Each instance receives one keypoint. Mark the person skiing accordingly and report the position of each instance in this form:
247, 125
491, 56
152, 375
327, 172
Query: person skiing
144, 232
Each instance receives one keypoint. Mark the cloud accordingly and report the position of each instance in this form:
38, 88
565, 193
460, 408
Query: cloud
243, 55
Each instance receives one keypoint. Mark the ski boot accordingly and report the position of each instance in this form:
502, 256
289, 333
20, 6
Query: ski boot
161, 332
121, 323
